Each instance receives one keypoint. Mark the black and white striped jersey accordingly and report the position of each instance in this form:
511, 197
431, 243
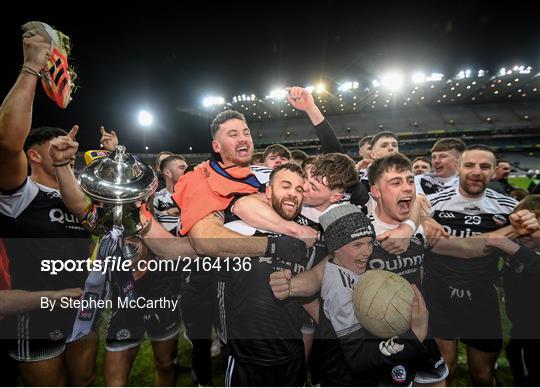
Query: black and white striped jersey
464, 217
408, 264
429, 183
164, 208
262, 173
363, 178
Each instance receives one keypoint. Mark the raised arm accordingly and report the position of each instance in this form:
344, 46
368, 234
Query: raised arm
62, 150
302, 99
16, 113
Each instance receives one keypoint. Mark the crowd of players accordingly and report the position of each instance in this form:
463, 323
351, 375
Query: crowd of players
310, 227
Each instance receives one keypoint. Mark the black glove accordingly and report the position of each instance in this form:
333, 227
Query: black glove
321, 251
286, 247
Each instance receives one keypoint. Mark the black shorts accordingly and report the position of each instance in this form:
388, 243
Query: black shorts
472, 316
127, 327
199, 305
40, 335
241, 374
524, 360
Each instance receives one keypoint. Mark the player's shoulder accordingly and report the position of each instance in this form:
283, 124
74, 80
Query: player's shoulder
442, 196
262, 173
427, 176
502, 200
162, 193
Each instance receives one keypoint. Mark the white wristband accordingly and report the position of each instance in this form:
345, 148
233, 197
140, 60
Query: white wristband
410, 223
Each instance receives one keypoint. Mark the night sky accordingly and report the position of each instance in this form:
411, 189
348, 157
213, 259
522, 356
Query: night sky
166, 59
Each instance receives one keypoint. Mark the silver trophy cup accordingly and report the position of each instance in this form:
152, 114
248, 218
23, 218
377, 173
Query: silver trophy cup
117, 184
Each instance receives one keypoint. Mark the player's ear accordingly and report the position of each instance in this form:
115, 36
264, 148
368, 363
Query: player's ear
33, 155
336, 197
375, 192
268, 191
216, 146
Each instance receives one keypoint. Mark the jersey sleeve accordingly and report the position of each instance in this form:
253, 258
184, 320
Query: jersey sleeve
13, 204
327, 138
418, 184
338, 307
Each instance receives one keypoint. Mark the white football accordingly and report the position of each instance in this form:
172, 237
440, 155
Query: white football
382, 303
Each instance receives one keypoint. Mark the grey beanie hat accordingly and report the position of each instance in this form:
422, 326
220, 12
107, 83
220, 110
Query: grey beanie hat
343, 224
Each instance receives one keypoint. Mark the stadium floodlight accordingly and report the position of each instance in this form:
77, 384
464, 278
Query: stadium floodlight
392, 81
320, 88
376, 83
213, 101
146, 148
464, 74
418, 78
277, 94
244, 97
522, 69
348, 85
481, 73
145, 118
435, 77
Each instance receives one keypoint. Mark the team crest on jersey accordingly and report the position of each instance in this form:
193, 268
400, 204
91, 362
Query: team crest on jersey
399, 374
267, 260
447, 215
499, 220
53, 194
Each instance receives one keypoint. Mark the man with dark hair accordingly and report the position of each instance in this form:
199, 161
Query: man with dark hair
461, 296
257, 159
264, 336
165, 211
364, 147
159, 158
421, 165
384, 143
298, 156
202, 196
35, 224
444, 159
500, 181
276, 154
364, 151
